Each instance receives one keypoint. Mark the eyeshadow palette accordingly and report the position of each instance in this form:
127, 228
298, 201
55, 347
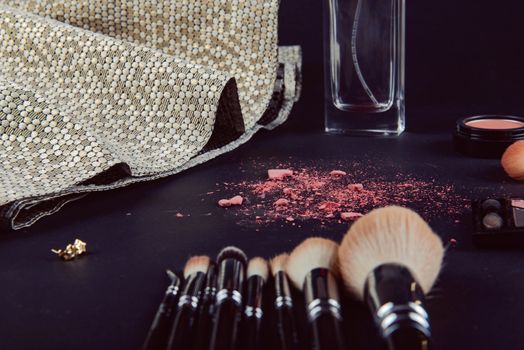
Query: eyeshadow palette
498, 221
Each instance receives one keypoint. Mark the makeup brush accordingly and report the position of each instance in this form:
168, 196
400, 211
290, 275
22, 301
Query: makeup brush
390, 258
286, 326
310, 267
159, 330
231, 272
207, 307
257, 273
182, 334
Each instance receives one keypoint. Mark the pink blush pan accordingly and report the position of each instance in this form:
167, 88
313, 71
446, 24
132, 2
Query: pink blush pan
495, 124
487, 136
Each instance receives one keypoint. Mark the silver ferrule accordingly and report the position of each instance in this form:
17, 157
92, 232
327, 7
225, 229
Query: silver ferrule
188, 300
172, 289
283, 302
321, 294
233, 295
251, 311
210, 291
396, 300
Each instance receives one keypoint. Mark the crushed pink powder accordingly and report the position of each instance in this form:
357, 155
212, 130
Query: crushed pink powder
281, 201
355, 187
179, 215
312, 193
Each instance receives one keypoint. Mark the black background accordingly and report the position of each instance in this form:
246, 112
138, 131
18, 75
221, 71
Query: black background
463, 57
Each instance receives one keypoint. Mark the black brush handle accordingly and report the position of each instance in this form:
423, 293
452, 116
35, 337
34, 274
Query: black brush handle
286, 328
252, 317
326, 334
250, 333
183, 329
204, 325
286, 325
205, 315
158, 334
408, 339
225, 328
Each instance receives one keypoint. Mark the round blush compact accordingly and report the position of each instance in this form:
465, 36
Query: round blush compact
487, 136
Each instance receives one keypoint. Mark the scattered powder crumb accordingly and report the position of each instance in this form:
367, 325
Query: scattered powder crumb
289, 218
337, 173
287, 190
236, 200
453, 242
279, 174
179, 215
351, 216
224, 203
281, 201
329, 206
355, 187
128, 214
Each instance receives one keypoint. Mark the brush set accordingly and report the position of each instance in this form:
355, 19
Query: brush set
389, 259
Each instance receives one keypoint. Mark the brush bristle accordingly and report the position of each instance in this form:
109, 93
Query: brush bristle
312, 253
278, 263
257, 267
390, 235
232, 253
196, 264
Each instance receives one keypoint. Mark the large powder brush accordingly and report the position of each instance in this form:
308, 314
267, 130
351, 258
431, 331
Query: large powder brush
390, 258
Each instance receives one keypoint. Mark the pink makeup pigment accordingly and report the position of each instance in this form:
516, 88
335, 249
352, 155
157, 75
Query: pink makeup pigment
496, 124
333, 196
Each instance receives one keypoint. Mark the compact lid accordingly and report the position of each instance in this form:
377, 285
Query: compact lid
487, 136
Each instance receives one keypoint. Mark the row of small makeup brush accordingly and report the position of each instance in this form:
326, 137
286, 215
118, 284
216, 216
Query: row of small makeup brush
389, 259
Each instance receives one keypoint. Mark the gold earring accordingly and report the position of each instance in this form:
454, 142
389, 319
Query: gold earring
71, 251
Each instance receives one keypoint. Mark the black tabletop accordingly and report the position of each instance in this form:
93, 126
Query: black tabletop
461, 61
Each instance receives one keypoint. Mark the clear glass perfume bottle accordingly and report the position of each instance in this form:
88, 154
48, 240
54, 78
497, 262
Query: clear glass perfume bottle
364, 66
